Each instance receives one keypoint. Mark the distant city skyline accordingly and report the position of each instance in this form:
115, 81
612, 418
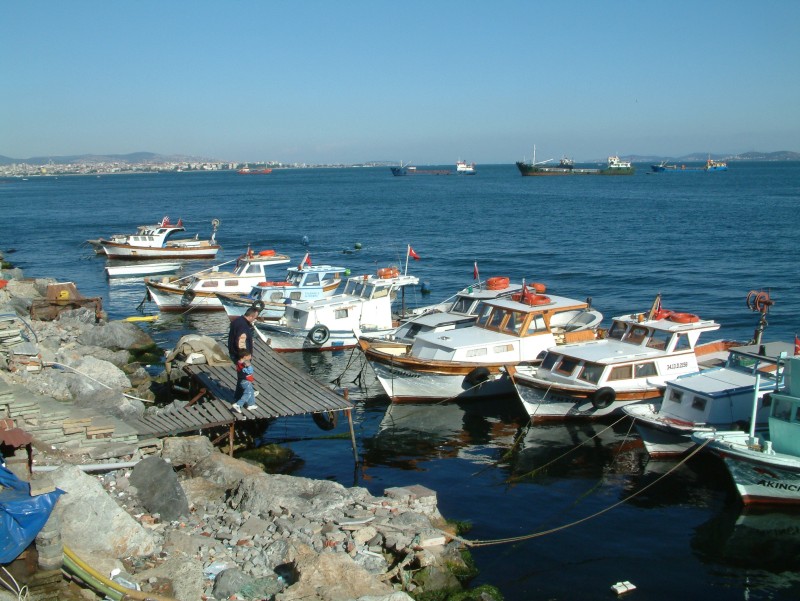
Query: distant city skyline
421, 82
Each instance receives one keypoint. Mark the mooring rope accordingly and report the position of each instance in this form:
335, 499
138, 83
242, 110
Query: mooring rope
516, 539
88, 377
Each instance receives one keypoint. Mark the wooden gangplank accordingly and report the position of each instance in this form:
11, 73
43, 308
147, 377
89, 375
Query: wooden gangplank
283, 391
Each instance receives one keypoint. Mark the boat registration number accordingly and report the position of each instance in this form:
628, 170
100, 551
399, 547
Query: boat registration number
678, 365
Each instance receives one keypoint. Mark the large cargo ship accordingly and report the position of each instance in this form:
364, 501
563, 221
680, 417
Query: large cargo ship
566, 166
410, 170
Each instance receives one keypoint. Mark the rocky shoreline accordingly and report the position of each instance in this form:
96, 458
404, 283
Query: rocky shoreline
176, 517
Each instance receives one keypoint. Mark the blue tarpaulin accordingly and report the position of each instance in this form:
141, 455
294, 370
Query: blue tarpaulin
21, 515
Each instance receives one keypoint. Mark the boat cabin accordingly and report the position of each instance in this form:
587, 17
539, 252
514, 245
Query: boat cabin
509, 330
365, 303
784, 420
299, 283
249, 267
636, 348
692, 397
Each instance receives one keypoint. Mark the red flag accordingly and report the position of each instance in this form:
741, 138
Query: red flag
796, 345
475, 270
412, 254
308, 259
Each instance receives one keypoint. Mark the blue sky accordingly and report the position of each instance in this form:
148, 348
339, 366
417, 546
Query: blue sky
427, 82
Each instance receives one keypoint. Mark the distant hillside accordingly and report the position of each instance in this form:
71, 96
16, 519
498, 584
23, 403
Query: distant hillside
132, 158
700, 157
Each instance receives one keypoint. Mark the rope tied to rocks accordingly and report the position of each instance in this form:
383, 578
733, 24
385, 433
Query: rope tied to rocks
87, 376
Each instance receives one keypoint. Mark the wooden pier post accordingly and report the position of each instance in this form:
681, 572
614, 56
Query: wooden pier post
352, 431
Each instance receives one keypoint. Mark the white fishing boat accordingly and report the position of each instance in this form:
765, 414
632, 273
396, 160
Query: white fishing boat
154, 242
130, 270
198, 291
595, 378
334, 323
467, 362
154, 234
302, 283
719, 398
765, 467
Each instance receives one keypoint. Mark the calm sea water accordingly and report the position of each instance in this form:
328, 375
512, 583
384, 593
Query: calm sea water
702, 240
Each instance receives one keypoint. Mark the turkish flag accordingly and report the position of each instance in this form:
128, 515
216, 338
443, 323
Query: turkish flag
412, 254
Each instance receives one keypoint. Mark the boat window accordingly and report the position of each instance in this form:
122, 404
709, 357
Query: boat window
636, 335
483, 317
514, 323
461, 305
328, 277
476, 352
675, 395
682, 343
644, 370
536, 325
295, 314
699, 403
380, 293
340, 314
312, 279
296, 295
617, 330
254, 269
549, 360
210, 284
497, 318
591, 373
276, 297
412, 331
782, 410
232, 283
766, 400
659, 340
621, 372
567, 366
503, 348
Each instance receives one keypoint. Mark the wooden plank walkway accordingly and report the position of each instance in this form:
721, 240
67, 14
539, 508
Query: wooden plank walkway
283, 391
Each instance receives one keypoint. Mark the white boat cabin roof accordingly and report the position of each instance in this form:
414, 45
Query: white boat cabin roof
634, 337
480, 335
738, 375
246, 266
360, 288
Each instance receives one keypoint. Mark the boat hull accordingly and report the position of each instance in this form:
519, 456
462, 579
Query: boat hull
285, 339
126, 252
141, 269
761, 478
171, 298
451, 382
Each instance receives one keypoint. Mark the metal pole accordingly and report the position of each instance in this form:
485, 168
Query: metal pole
352, 431
755, 410
230, 440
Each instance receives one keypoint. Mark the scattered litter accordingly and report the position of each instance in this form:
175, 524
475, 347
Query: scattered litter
623, 587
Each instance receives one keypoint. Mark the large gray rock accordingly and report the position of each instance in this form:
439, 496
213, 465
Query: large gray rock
92, 522
115, 335
94, 373
200, 491
184, 573
330, 577
224, 470
158, 488
231, 581
265, 493
186, 450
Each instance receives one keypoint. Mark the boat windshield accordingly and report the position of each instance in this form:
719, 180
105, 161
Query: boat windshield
751, 365
462, 305
617, 330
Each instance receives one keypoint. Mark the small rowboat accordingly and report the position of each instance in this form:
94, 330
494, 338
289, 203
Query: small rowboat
141, 269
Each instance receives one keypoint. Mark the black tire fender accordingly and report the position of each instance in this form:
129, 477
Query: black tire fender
603, 397
325, 420
477, 376
318, 335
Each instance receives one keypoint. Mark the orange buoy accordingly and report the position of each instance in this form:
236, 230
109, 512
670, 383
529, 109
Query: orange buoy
538, 287
529, 298
388, 272
497, 283
684, 317
266, 253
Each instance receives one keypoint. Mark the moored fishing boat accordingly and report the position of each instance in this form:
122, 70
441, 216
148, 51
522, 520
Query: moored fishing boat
717, 398
146, 235
198, 291
153, 243
249, 171
466, 362
334, 322
596, 378
765, 467
302, 283
130, 270
711, 165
